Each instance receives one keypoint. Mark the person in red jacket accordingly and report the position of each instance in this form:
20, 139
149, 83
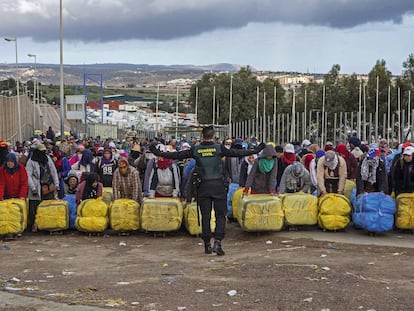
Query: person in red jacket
13, 179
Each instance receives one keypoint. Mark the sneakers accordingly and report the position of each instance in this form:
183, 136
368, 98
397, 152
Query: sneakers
217, 248
207, 248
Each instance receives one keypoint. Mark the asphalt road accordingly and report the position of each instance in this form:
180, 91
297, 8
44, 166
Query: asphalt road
50, 116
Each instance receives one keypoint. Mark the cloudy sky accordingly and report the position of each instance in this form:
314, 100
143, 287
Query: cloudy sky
278, 35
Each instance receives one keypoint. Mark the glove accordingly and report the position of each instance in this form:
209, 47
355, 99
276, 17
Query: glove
246, 191
261, 146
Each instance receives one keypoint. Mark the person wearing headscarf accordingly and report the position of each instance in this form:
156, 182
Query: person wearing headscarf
312, 168
288, 157
43, 181
126, 183
134, 154
164, 178
350, 160
105, 167
403, 177
246, 168
13, 179
62, 167
371, 175
331, 174
262, 177
295, 178
90, 188
3, 151
71, 183
85, 165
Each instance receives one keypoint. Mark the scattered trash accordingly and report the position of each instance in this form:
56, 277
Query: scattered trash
170, 280
396, 254
323, 255
38, 251
181, 308
64, 272
5, 247
165, 265
112, 304
41, 259
217, 304
122, 243
288, 248
122, 283
286, 241
199, 290
325, 309
232, 293
371, 263
135, 303
308, 299
332, 246
268, 242
11, 289
26, 270
14, 279
326, 268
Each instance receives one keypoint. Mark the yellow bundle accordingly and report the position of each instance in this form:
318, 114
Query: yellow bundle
52, 215
405, 211
191, 220
300, 208
92, 216
124, 215
93, 208
334, 210
161, 214
260, 212
13, 216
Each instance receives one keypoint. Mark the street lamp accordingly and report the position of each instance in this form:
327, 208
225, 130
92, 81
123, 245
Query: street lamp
34, 89
18, 88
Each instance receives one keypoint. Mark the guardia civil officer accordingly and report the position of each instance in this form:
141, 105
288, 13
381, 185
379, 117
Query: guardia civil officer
211, 189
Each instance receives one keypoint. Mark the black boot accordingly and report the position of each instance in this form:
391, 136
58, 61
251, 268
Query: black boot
207, 248
217, 248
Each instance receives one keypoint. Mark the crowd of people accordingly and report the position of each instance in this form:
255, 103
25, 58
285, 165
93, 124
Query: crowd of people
43, 169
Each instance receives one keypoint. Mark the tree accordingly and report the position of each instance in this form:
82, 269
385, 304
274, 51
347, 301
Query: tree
408, 74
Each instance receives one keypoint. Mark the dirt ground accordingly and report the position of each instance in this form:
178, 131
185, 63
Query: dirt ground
258, 272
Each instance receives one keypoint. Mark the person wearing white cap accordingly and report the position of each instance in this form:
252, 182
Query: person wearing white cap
331, 174
403, 177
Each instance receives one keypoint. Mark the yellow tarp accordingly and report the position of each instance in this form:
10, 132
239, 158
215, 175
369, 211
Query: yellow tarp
191, 220
405, 211
52, 215
161, 214
93, 208
260, 212
91, 224
124, 215
349, 186
13, 216
107, 195
334, 210
235, 201
300, 208
92, 216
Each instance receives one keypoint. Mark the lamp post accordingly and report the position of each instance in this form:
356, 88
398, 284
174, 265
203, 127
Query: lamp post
62, 91
18, 89
34, 88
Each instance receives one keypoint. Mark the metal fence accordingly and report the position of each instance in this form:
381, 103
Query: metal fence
9, 119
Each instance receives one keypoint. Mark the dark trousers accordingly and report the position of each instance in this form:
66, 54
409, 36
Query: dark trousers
31, 215
212, 194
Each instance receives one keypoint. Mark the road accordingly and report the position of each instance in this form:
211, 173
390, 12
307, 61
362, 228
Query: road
50, 116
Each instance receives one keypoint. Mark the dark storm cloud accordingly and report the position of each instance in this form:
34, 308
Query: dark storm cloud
112, 20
